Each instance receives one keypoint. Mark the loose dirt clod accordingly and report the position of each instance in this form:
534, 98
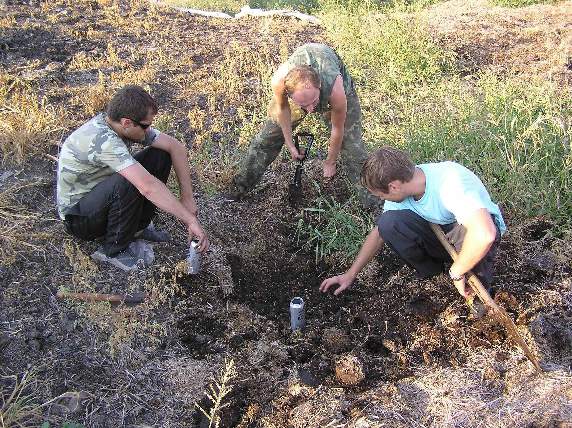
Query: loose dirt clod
349, 370
335, 340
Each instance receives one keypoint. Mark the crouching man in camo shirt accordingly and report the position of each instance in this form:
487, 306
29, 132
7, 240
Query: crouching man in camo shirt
105, 192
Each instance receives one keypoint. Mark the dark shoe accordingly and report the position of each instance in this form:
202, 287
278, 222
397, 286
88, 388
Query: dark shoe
138, 253
152, 235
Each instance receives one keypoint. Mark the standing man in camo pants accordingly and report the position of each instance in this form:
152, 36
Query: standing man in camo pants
313, 79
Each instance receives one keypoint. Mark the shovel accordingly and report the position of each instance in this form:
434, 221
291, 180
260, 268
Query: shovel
297, 182
497, 312
128, 299
296, 185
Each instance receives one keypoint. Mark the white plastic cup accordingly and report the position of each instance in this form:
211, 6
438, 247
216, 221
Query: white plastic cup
297, 318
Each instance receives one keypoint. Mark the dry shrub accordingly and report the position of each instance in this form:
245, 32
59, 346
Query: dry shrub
123, 325
495, 389
93, 99
18, 406
7, 22
131, 76
84, 61
18, 229
84, 269
28, 123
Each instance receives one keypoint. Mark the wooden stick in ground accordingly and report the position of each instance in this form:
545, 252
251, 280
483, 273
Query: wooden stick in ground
134, 298
497, 312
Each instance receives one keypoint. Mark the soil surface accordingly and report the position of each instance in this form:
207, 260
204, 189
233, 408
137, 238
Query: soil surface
150, 364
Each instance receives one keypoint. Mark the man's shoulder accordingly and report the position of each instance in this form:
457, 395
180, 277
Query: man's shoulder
313, 54
94, 136
445, 172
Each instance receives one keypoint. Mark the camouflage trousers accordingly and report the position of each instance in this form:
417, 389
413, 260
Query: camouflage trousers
267, 144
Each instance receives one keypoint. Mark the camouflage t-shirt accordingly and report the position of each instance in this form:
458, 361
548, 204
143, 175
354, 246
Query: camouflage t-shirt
88, 156
327, 64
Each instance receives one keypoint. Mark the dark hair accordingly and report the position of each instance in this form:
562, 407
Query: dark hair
384, 166
131, 102
298, 76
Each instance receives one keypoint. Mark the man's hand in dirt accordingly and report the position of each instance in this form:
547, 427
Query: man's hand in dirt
343, 280
190, 205
329, 168
196, 231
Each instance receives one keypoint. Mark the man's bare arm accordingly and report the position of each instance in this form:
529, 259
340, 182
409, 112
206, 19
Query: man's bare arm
480, 236
339, 104
369, 249
155, 191
178, 153
284, 115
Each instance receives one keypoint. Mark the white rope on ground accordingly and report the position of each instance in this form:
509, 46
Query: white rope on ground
246, 11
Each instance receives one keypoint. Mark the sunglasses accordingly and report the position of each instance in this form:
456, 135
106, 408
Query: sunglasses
142, 125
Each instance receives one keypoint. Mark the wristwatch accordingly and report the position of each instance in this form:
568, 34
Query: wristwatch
456, 278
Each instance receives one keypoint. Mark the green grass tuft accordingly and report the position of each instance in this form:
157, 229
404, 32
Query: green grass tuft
332, 229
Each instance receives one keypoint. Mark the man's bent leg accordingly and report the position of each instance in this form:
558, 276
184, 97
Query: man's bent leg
264, 148
412, 239
112, 209
158, 163
353, 151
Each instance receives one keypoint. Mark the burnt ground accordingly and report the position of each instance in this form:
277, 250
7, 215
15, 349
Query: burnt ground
147, 365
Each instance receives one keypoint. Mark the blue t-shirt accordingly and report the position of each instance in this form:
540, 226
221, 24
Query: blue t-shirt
452, 194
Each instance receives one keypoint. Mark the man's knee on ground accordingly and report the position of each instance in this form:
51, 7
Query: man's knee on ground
387, 223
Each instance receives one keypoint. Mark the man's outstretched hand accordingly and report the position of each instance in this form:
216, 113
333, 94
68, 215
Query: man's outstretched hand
344, 281
329, 169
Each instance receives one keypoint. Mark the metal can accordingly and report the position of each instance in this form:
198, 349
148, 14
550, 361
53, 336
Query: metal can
194, 258
297, 318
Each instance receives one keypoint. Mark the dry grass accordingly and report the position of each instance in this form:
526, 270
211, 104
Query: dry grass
18, 230
493, 390
534, 41
29, 124
17, 401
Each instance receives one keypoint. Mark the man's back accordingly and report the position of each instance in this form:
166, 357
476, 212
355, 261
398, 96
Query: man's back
89, 155
452, 193
326, 63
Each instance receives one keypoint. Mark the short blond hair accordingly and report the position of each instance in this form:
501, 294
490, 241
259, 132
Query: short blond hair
300, 75
384, 166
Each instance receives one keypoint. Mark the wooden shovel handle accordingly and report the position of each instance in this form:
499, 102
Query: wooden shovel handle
496, 311
99, 297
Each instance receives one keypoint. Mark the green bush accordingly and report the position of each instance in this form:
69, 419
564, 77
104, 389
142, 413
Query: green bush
306, 6
520, 3
386, 52
333, 229
511, 132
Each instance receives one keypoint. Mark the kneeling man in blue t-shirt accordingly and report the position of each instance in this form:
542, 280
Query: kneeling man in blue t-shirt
444, 193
